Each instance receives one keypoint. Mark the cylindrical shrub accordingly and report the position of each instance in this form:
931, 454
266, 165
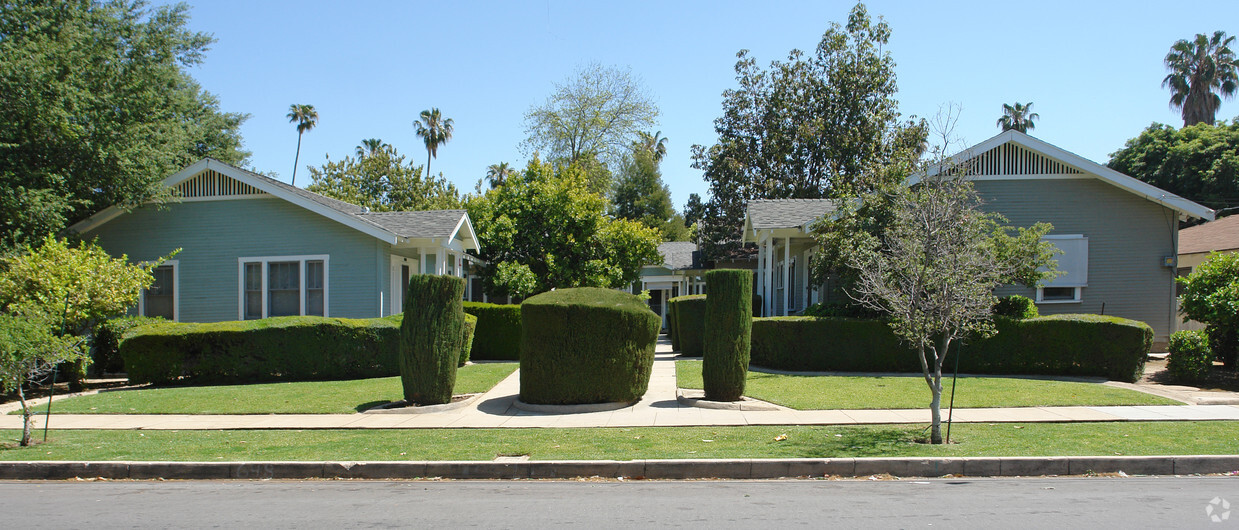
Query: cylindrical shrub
431, 337
672, 335
1190, 356
471, 326
1016, 306
586, 345
498, 337
728, 329
690, 317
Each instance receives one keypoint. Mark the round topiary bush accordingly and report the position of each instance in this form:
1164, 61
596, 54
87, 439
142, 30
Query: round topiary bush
432, 334
728, 332
586, 345
1190, 356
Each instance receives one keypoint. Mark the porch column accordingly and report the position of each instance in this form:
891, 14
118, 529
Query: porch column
787, 264
768, 281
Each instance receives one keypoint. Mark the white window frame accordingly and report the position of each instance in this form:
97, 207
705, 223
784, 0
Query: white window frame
176, 290
265, 260
1079, 289
1078, 298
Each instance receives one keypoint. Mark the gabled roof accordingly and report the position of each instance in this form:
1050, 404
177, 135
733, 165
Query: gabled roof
678, 255
767, 214
1186, 208
392, 227
1222, 234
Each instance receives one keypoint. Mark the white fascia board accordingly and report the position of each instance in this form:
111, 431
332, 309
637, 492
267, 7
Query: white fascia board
470, 238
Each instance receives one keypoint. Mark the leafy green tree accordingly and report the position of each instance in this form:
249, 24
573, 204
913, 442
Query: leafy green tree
370, 146
434, 130
641, 196
597, 112
382, 181
541, 225
1211, 295
306, 118
1018, 117
1200, 162
497, 174
97, 107
1202, 71
29, 351
809, 127
694, 209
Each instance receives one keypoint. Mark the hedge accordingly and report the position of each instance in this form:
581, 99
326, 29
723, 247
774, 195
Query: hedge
432, 336
1084, 345
672, 334
728, 328
272, 349
105, 350
586, 345
690, 325
498, 336
471, 328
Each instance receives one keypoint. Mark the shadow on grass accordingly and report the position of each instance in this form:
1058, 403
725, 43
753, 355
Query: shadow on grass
369, 405
835, 442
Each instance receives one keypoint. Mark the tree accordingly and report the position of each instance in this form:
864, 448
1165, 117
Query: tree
1202, 70
934, 269
497, 174
306, 118
28, 352
1018, 117
434, 131
656, 144
809, 127
641, 196
1200, 162
97, 107
1211, 295
382, 182
599, 111
694, 210
370, 146
541, 231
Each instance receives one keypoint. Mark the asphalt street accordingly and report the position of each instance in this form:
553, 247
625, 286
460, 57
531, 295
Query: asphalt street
1098, 502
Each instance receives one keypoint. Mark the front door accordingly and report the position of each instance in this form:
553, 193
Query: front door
401, 268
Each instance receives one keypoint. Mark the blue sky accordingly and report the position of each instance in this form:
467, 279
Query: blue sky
1093, 69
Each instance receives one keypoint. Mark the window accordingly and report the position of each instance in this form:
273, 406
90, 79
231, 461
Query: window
1068, 287
159, 300
283, 286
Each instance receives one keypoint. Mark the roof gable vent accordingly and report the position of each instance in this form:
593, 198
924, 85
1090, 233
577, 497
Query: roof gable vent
213, 185
1012, 159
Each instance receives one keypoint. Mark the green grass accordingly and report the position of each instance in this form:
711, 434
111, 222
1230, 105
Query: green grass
315, 397
1004, 439
852, 392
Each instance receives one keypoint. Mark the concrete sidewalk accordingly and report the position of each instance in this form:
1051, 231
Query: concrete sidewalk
659, 408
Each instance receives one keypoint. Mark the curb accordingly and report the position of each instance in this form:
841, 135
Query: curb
398, 407
572, 409
637, 469
697, 398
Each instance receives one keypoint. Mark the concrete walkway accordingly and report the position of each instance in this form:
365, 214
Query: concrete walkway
659, 408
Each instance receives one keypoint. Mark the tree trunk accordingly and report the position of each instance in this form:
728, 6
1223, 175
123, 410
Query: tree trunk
27, 418
297, 159
427, 175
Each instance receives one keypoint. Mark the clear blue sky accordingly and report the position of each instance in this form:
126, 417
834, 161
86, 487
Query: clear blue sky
1093, 69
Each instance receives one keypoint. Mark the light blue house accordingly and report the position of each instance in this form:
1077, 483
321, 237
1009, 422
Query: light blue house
254, 247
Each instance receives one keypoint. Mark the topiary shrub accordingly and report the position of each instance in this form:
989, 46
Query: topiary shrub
672, 335
1016, 306
690, 316
431, 337
1190, 357
728, 328
586, 345
105, 350
498, 337
471, 326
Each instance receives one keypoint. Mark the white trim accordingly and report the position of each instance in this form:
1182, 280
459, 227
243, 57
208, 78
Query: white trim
1060, 176
225, 198
300, 259
1079, 296
396, 285
176, 291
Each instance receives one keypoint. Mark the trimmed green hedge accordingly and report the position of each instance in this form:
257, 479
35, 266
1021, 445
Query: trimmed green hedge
672, 334
586, 345
105, 350
1088, 345
498, 336
690, 323
432, 337
471, 328
728, 328
271, 349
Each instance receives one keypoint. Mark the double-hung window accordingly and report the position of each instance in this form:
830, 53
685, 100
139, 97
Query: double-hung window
160, 299
283, 286
1067, 287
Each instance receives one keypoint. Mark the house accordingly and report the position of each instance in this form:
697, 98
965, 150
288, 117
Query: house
680, 273
1198, 242
254, 247
1118, 235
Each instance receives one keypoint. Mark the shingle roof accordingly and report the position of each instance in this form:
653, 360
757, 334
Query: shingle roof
1222, 234
787, 213
677, 255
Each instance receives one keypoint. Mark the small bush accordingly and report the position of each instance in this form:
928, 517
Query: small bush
1016, 306
498, 337
471, 326
1190, 357
690, 318
431, 338
728, 328
1224, 341
105, 351
586, 345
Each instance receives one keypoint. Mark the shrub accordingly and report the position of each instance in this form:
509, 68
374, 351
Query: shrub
728, 328
586, 345
1016, 306
271, 349
1090, 345
1211, 295
840, 309
470, 329
690, 317
431, 338
1224, 342
498, 336
1190, 357
672, 334
105, 351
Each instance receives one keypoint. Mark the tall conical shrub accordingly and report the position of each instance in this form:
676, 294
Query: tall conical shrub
728, 329
431, 338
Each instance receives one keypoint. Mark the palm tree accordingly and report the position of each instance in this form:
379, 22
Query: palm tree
1201, 72
656, 144
435, 131
369, 146
497, 174
306, 118
1018, 117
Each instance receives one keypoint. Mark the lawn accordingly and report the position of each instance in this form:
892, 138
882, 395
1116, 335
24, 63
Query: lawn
853, 392
316, 397
1004, 439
